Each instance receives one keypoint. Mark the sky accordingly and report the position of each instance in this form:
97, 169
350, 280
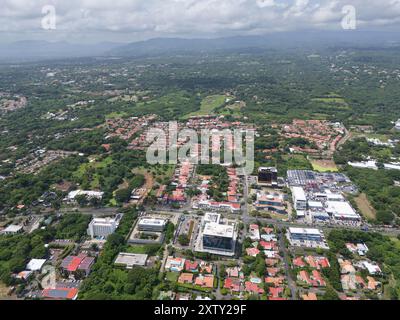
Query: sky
91, 21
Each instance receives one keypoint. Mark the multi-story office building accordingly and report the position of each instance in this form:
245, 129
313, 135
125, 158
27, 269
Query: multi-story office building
219, 237
299, 198
268, 175
102, 227
152, 225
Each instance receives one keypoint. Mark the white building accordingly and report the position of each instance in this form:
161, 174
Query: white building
306, 237
89, 194
12, 229
131, 259
35, 264
154, 225
397, 126
340, 210
299, 198
102, 227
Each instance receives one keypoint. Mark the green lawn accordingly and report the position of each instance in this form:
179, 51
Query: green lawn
84, 168
172, 276
208, 105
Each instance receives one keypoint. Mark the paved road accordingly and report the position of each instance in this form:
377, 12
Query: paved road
291, 283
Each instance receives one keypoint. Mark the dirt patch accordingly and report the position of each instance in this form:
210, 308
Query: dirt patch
365, 207
4, 291
324, 165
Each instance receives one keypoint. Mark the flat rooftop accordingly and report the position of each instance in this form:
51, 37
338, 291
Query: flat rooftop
299, 194
341, 208
131, 259
219, 230
152, 222
305, 231
211, 217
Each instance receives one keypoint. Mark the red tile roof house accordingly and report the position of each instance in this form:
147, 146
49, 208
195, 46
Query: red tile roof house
206, 281
299, 262
316, 276
272, 271
275, 292
268, 245
252, 252
303, 276
232, 284
206, 267
276, 281
268, 230
271, 262
232, 272
191, 266
185, 278
253, 288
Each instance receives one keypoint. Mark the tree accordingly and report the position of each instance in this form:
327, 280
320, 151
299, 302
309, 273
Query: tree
330, 294
183, 239
123, 195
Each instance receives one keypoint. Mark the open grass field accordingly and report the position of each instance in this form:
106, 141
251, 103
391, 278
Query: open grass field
172, 276
365, 207
84, 168
115, 115
324, 165
208, 105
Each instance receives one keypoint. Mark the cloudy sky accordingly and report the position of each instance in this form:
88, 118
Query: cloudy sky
133, 20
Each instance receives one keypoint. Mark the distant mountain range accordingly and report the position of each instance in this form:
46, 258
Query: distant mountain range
42, 50
39, 50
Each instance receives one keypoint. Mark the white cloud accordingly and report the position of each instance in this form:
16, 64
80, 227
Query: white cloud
130, 20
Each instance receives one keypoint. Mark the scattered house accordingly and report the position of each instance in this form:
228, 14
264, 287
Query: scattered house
309, 296
372, 283
360, 248
346, 267
299, 262
36, 264
205, 281
270, 262
272, 272
348, 282
185, 278
268, 245
372, 268
276, 281
314, 280
24, 275
254, 232
253, 288
316, 276
275, 292
268, 230
233, 272
232, 284
317, 262
12, 229
175, 264
304, 277
191, 266
206, 267
360, 282
253, 252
